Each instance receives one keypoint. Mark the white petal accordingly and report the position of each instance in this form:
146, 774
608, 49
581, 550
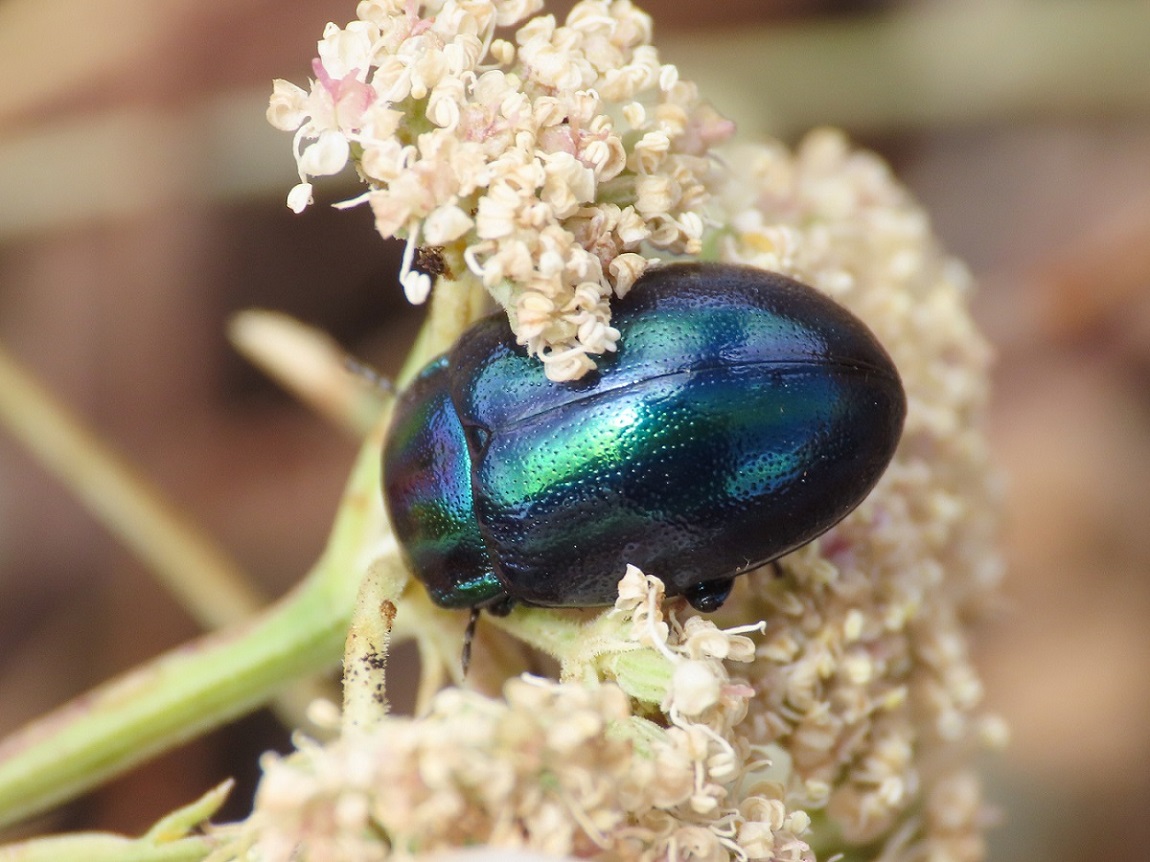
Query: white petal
326, 156
299, 197
445, 224
694, 687
287, 108
416, 286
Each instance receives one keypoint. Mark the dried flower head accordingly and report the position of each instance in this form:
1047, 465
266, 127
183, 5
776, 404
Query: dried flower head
550, 165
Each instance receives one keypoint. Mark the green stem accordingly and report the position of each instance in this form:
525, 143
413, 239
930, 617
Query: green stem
455, 305
170, 840
202, 577
102, 847
590, 650
219, 677
550, 632
226, 674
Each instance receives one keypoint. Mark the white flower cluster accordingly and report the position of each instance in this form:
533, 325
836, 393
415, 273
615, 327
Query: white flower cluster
864, 679
564, 769
549, 166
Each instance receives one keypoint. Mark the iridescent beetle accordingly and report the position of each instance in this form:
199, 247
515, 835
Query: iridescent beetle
743, 415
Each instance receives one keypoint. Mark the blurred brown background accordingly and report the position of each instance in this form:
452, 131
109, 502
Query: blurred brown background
141, 203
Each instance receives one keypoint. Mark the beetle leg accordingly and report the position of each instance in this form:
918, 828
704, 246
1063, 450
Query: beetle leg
468, 639
709, 595
501, 607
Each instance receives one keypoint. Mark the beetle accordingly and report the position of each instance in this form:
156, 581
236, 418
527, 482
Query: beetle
743, 415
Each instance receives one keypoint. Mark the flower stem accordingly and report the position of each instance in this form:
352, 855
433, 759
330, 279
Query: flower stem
455, 305
312, 366
168, 841
192, 567
217, 678
202, 577
222, 675
550, 632
104, 847
366, 649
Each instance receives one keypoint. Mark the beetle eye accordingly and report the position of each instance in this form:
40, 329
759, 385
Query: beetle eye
477, 438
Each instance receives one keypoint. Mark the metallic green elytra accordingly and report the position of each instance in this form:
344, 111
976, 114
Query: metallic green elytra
743, 415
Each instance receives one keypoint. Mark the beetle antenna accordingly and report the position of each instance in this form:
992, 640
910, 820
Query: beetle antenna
468, 638
367, 373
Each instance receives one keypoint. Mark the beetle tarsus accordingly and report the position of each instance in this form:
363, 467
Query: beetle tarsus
709, 595
501, 607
